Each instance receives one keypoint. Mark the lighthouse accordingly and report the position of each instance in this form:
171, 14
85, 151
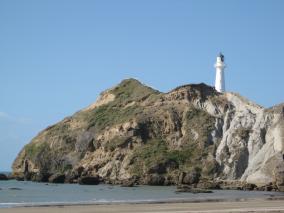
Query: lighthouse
220, 75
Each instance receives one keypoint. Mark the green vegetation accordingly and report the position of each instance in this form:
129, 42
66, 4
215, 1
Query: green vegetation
65, 167
202, 123
152, 152
194, 151
154, 156
33, 149
108, 115
132, 90
51, 159
201, 120
61, 128
117, 111
156, 152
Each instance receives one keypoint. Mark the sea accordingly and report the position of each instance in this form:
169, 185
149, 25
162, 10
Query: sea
26, 193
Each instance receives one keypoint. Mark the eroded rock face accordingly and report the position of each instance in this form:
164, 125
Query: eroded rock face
136, 133
89, 180
56, 178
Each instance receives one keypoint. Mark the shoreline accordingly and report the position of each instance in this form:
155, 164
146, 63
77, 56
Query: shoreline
154, 202
73, 198
252, 205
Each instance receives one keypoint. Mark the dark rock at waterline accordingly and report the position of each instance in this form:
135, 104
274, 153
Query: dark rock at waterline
189, 189
56, 178
11, 177
170, 181
70, 179
127, 183
155, 180
232, 188
208, 185
233, 185
272, 187
249, 186
3, 177
37, 177
279, 177
269, 187
20, 178
239, 185
89, 180
15, 188
189, 178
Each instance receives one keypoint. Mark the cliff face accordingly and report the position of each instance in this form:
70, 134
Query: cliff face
135, 132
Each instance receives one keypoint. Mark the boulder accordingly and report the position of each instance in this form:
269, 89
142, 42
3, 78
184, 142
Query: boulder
89, 180
232, 188
127, 183
70, 179
268, 187
56, 178
15, 188
208, 185
155, 180
271, 188
279, 177
10, 177
41, 177
191, 178
20, 178
3, 177
232, 185
249, 186
171, 180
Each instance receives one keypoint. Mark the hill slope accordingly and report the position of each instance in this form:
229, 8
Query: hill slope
135, 132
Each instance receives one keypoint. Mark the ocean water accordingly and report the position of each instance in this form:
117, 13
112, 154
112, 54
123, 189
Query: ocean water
25, 193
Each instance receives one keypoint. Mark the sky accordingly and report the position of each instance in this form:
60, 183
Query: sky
56, 56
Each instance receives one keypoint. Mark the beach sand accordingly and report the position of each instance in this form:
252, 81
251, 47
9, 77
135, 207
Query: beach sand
244, 206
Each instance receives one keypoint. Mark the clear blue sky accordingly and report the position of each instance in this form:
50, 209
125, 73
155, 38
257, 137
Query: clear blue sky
56, 56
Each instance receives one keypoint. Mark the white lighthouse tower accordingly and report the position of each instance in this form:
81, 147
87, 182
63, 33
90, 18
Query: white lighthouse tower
220, 75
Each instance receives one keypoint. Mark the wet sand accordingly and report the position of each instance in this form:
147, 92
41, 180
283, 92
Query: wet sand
242, 206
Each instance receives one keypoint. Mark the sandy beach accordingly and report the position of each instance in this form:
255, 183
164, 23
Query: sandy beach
243, 206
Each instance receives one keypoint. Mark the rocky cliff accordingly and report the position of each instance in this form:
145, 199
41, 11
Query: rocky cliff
133, 132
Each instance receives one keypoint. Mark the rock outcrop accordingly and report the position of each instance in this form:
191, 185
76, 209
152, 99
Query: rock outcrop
3, 177
89, 180
57, 178
138, 134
